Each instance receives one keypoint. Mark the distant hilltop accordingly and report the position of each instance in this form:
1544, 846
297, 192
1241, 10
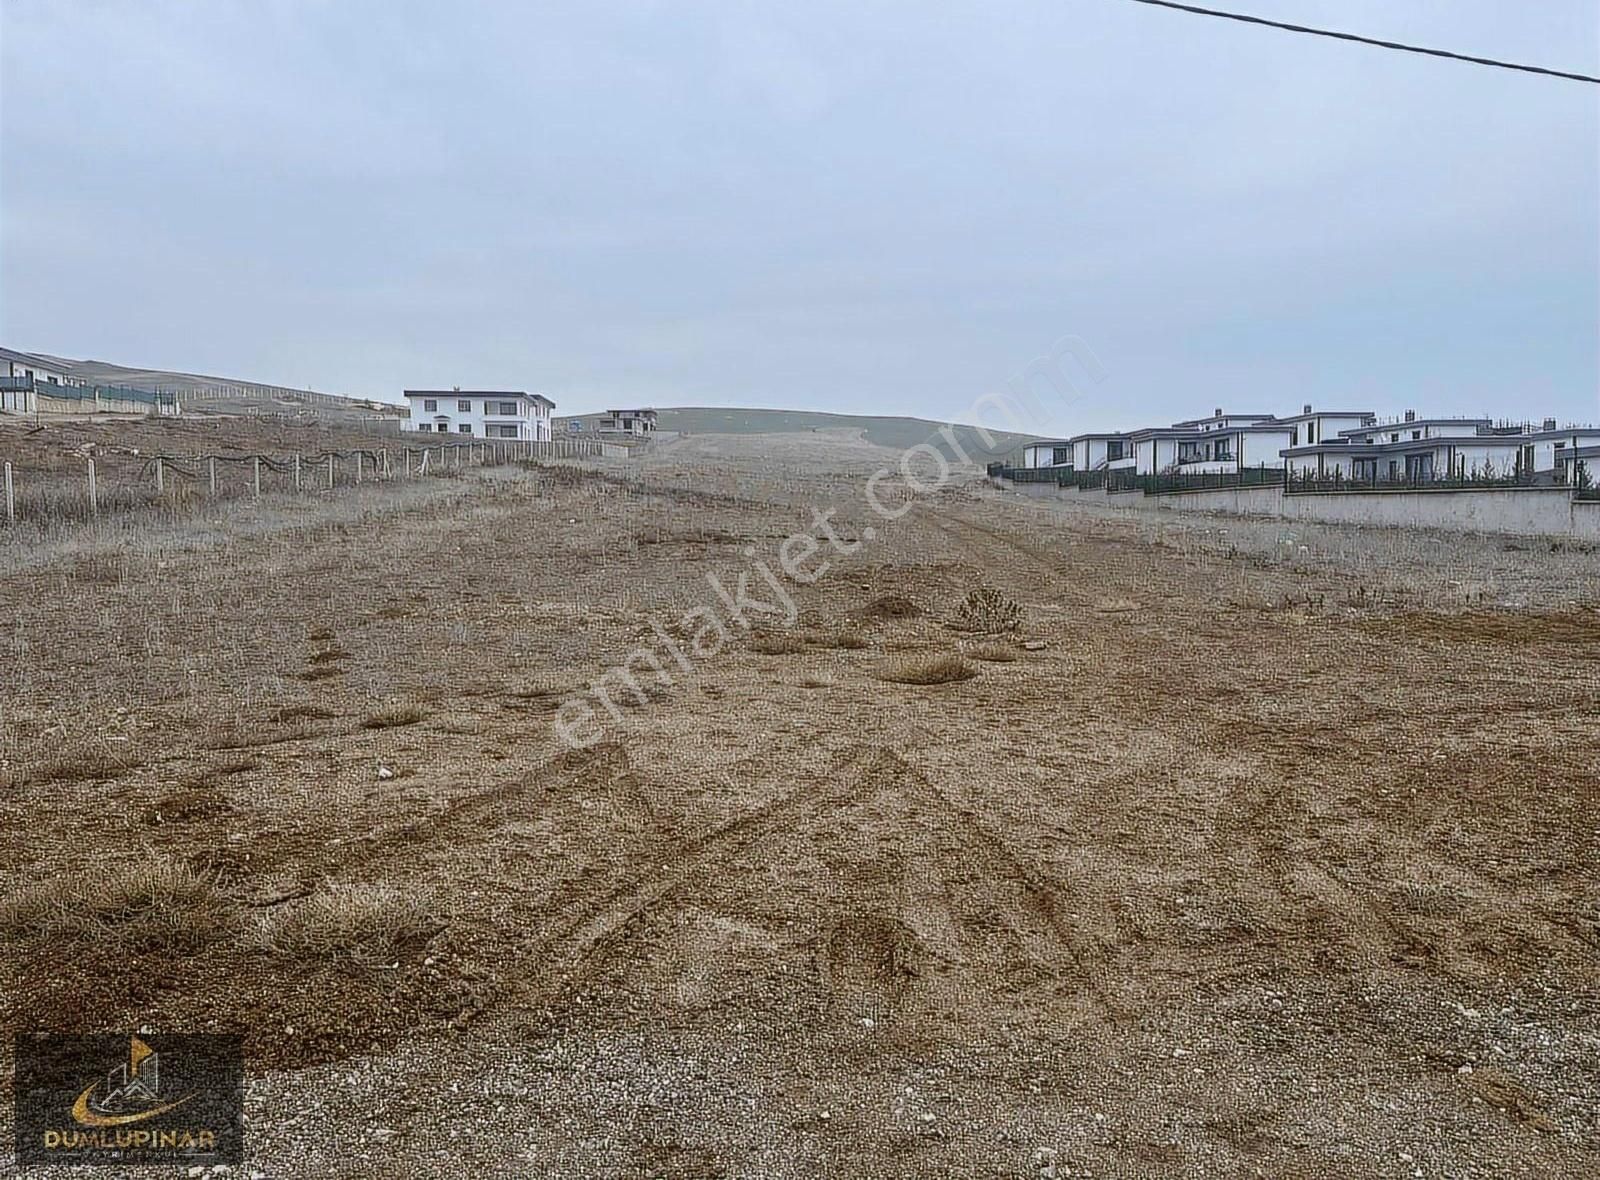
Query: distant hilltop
897, 433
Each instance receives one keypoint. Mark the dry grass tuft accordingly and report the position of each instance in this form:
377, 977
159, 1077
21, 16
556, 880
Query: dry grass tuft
394, 716
82, 763
994, 653
365, 924
815, 682
989, 612
776, 643
154, 900
545, 688
1505, 1093
891, 606
944, 668
850, 640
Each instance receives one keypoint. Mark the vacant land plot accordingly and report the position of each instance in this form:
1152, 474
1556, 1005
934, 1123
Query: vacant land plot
1222, 854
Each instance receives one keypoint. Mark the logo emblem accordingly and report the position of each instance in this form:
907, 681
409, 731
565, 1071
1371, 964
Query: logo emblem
121, 1098
131, 1093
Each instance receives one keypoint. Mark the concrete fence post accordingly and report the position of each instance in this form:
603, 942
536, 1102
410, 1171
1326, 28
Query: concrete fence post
358, 467
407, 453
11, 497
297, 472
331, 474
161, 475
256, 461
94, 491
211, 467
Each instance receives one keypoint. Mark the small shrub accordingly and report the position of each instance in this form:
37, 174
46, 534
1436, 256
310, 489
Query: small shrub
850, 640
988, 612
152, 900
362, 923
944, 668
394, 716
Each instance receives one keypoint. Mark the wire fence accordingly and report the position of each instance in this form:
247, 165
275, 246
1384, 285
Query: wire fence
1310, 483
161, 480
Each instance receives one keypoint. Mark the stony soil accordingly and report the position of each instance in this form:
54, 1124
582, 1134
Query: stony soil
1255, 860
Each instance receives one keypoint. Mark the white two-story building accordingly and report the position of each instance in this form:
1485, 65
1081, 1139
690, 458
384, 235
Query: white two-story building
480, 413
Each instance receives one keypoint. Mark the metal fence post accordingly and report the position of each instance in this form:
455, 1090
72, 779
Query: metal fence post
11, 497
94, 492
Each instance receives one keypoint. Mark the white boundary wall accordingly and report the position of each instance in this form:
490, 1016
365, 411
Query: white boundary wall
1542, 512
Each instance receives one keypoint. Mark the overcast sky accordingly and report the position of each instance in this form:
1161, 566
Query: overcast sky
876, 208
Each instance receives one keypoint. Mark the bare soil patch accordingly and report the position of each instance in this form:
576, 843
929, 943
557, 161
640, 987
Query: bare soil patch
1240, 868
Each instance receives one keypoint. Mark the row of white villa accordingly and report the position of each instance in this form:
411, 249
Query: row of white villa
1348, 444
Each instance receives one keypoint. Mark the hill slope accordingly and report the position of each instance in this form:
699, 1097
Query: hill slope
897, 433
223, 394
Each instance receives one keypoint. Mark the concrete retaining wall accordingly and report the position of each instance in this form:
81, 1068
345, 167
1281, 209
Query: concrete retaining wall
1543, 512
46, 404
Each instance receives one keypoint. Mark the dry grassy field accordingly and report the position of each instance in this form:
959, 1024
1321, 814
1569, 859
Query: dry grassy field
1230, 852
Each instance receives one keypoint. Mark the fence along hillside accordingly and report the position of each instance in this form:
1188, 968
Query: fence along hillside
159, 479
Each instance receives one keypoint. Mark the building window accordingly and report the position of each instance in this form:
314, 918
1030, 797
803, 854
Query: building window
464, 428
1060, 456
506, 409
1415, 434
464, 406
429, 405
425, 427
1311, 433
1294, 436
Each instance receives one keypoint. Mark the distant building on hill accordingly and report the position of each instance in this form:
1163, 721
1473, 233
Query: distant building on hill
480, 413
635, 423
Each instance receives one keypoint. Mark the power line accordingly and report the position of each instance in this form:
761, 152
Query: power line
1278, 24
